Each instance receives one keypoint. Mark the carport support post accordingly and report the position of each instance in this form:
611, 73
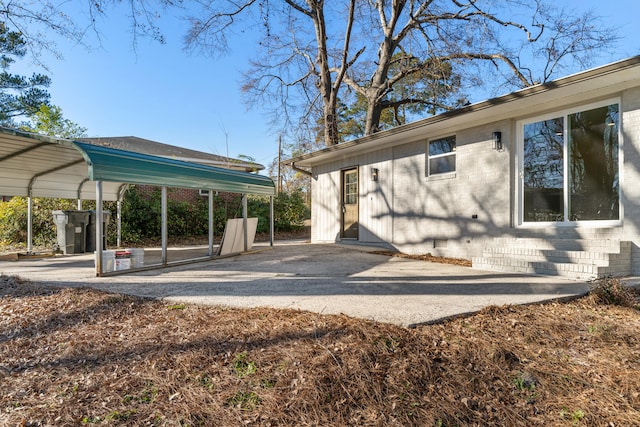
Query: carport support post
270, 220
29, 224
164, 226
211, 223
119, 222
121, 191
99, 247
245, 222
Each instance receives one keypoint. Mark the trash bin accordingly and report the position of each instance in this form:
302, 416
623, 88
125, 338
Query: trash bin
91, 230
71, 228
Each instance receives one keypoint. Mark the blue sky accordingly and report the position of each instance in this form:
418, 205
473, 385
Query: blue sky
161, 93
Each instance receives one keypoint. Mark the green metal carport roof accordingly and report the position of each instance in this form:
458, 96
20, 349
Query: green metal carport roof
40, 166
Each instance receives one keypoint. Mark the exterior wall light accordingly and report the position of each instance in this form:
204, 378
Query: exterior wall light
497, 141
374, 174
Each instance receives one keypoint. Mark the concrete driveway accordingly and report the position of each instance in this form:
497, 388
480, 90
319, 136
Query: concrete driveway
323, 278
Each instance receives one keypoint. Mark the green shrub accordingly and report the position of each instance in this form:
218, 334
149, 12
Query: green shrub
13, 220
289, 211
142, 216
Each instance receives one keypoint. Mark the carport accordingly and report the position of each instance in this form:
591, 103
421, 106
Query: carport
34, 165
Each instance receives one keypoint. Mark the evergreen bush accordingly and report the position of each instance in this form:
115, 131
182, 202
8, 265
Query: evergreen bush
142, 216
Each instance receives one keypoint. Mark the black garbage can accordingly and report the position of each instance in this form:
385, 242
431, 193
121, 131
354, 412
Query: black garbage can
71, 229
91, 230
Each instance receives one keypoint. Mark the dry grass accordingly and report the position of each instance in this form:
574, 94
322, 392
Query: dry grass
83, 357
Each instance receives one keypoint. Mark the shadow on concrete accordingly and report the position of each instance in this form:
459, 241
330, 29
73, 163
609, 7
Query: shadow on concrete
325, 278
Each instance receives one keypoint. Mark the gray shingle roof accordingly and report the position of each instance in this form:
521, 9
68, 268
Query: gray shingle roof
146, 146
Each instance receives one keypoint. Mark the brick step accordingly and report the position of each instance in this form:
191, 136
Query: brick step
596, 245
581, 259
550, 255
569, 234
568, 270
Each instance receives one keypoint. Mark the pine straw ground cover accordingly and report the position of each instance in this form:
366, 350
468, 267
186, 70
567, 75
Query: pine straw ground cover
84, 357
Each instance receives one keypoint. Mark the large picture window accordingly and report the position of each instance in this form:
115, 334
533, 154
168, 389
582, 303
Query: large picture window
441, 156
570, 166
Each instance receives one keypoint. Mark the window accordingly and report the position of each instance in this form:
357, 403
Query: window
351, 187
570, 166
441, 156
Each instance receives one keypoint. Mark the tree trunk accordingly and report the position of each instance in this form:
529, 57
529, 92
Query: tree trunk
380, 79
378, 89
330, 125
324, 74
374, 112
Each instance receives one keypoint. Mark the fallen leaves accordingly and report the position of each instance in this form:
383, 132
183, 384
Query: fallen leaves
80, 356
426, 257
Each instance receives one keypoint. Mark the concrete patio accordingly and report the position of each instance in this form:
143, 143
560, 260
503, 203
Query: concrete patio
323, 278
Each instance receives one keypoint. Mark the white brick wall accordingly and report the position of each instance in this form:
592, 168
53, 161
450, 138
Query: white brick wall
430, 210
630, 179
414, 212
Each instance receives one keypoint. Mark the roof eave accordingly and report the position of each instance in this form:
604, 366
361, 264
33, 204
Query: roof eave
385, 137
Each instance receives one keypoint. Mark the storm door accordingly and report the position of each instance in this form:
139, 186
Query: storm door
349, 204
569, 170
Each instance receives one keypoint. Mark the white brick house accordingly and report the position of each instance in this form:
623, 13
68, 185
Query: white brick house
543, 180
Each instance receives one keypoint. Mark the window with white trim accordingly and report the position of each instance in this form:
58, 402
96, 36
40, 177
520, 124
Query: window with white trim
570, 165
441, 156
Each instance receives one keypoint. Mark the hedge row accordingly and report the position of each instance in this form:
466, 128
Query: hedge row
141, 216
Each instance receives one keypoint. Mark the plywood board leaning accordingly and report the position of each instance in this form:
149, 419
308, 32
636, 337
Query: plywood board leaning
233, 237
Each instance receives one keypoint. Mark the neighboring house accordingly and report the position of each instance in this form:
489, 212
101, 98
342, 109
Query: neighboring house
542, 180
146, 146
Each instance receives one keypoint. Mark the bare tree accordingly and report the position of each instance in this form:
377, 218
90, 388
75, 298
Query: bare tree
40, 22
312, 50
315, 55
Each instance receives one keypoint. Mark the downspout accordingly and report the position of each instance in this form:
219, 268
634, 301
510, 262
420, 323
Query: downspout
302, 171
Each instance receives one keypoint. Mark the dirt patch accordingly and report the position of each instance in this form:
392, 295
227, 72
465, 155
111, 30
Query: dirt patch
84, 357
426, 257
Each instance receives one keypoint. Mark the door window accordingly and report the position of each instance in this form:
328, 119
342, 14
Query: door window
351, 187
